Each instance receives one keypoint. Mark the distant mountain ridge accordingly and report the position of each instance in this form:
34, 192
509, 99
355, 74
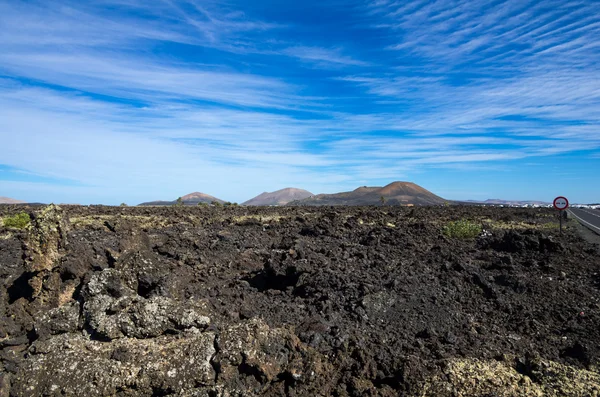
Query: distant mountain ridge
395, 193
279, 197
8, 200
188, 199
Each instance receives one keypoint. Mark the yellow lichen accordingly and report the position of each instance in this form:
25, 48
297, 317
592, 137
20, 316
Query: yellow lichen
473, 377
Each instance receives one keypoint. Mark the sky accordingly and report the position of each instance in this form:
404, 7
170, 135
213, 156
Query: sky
110, 101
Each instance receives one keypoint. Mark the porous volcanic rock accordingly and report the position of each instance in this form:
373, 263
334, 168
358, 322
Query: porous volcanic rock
297, 301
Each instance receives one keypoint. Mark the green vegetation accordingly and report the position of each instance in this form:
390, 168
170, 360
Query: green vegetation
18, 221
179, 202
462, 229
216, 203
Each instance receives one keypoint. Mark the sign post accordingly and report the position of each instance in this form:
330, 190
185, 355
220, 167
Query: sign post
561, 204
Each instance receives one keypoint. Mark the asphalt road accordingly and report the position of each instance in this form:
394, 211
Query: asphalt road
589, 217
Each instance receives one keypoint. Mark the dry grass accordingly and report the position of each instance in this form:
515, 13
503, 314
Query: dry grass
6, 236
519, 225
472, 377
260, 218
98, 221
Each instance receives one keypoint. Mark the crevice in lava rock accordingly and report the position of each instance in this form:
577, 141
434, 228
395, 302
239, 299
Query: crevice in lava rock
78, 293
146, 288
577, 352
110, 226
110, 258
528, 366
250, 370
93, 334
288, 381
214, 362
267, 279
67, 274
32, 336
159, 392
20, 288
395, 382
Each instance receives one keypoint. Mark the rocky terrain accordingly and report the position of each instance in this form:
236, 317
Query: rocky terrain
279, 197
296, 301
396, 193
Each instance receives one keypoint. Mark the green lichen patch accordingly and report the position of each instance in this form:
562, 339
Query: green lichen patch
17, 221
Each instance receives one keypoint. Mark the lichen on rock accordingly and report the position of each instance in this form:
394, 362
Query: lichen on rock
76, 366
47, 238
112, 310
479, 378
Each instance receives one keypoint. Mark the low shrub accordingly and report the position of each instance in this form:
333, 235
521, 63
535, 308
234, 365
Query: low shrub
18, 221
462, 229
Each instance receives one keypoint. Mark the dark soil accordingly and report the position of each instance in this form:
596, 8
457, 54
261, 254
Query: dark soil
378, 297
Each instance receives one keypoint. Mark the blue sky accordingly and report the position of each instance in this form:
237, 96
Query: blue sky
109, 101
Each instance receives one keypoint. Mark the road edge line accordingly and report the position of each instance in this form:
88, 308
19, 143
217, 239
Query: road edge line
597, 229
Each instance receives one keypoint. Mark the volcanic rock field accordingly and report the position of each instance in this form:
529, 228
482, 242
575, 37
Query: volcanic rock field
296, 301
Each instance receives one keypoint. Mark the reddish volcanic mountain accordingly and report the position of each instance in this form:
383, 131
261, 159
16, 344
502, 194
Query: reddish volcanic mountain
8, 200
189, 199
396, 193
197, 197
279, 197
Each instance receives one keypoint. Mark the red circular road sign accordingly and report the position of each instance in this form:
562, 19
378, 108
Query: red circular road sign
561, 203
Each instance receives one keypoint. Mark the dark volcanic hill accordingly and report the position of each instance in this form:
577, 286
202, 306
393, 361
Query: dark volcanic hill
279, 197
8, 200
188, 199
396, 193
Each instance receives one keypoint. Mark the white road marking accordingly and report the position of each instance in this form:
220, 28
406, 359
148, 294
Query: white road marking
588, 212
587, 223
